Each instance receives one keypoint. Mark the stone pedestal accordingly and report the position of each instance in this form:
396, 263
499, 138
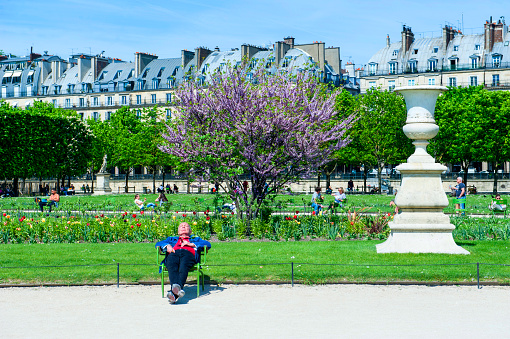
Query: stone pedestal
102, 184
422, 227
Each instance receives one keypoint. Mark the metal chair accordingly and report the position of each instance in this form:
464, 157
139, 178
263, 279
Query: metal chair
197, 268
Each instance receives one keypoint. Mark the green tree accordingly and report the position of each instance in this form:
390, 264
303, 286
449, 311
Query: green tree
377, 138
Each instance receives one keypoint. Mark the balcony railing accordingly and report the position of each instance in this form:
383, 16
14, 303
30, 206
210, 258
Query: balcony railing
445, 68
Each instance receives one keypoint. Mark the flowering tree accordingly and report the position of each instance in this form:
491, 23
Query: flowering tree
274, 128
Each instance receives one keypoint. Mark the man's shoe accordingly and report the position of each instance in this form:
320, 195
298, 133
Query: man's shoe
176, 288
171, 297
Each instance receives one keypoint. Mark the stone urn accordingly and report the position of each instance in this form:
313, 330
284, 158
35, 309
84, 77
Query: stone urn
421, 227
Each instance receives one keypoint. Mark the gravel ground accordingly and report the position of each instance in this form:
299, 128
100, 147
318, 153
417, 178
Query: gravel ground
249, 311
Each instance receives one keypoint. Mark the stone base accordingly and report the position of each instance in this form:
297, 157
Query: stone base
421, 242
102, 184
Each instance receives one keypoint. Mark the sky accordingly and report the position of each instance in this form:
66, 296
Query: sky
165, 27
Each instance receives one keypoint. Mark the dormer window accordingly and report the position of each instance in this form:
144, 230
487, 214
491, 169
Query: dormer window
395, 52
474, 61
117, 75
432, 65
435, 50
415, 51
393, 67
160, 71
456, 48
372, 69
413, 65
496, 60
477, 47
145, 72
101, 77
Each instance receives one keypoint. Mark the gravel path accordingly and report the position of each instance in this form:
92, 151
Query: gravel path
247, 311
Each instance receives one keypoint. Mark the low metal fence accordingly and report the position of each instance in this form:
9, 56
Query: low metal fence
291, 270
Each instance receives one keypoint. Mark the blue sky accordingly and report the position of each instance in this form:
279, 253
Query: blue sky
123, 27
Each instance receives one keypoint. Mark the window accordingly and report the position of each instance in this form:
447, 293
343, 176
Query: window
168, 114
432, 65
109, 101
452, 82
68, 103
391, 85
155, 83
413, 66
55, 101
108, 115
474, 63
123, 100
95, 101
117, 75
473, 81
138, 99
160, 71
169, 97
453, 64
435, 50
432, 81
139, 85
81, 115
410, 82
393, 67
96, 116
415, 51
82, 102
371, 84
456, 48
70, 88
30, 78
477, 47
153, 98
286, 61
495, 80
45, 90
57, 89
496, 60
145, 73
506, 43
395, 52
372, 69
139, 114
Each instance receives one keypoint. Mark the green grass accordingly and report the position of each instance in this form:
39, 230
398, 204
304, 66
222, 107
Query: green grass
476, 204
359, 258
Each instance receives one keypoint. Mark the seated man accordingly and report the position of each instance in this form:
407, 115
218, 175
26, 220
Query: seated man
339, 199
182, 253
54, 199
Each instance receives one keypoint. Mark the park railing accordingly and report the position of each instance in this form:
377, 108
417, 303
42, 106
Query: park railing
291, 276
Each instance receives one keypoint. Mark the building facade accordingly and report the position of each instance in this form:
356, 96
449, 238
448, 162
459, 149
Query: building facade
454, 59
96, 86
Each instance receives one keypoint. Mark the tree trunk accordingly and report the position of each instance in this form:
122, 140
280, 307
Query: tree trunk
15, 186
319, 179
58, 185
154, 179
379, 176
164, 172
127, 180
365, 174
495, 182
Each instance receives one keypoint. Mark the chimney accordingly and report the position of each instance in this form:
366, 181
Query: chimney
84, 65
216, 49
448, 36
350, 69
493, 32
289, 41
407, 38
186, 57
387, 40
280, 49
248, 51
201, 53
142, 60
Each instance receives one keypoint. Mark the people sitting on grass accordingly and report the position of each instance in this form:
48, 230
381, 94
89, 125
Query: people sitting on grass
161, 198
181, 254
54, 199
339, 199
317, 201
176, 189
497, 204
140, 203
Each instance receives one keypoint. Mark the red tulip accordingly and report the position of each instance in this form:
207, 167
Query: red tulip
141, 212
297, 212
134, 215
313, 213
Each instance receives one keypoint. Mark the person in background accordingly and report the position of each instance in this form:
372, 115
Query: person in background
176, 189
497, 205
140, 203
460, 193
317, 200
161, 198
54, 200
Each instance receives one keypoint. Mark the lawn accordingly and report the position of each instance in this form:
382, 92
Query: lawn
314, 262
476, 204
